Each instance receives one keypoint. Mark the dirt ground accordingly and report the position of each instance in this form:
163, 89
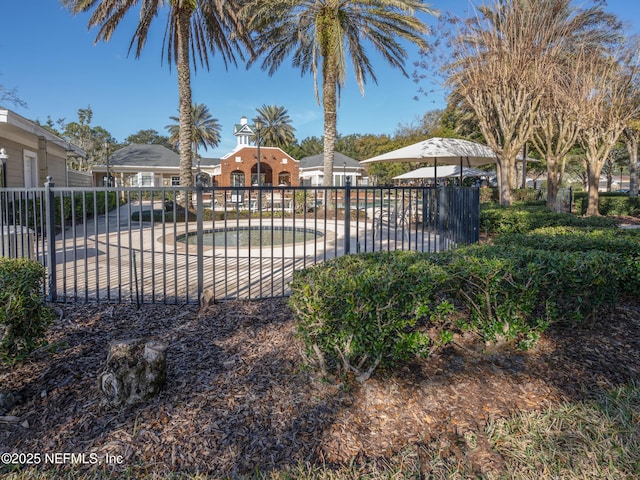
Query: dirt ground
238, 396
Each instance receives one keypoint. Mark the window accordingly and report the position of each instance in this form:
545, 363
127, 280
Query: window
131, 180
30, 169
143, 180
284, 178
175, 181
237, 179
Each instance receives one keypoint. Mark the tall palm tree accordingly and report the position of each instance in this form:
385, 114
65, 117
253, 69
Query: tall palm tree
205, 130
323, 35
276, 130
200, 26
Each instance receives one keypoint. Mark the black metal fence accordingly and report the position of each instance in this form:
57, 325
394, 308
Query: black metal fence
169, 245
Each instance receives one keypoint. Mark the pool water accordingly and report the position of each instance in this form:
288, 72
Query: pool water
251, 236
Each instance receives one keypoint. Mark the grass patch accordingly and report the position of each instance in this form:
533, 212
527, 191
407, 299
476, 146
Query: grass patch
594, 439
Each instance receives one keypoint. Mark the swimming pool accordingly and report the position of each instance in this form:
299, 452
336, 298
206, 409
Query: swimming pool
251, 236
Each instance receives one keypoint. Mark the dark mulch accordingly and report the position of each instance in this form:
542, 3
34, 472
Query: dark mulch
238, 396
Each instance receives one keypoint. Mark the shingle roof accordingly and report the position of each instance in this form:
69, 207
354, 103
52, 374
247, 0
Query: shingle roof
209, 162
338, 161
145, 155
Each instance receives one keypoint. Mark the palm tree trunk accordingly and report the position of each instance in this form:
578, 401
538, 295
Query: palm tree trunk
329, 103
184, 91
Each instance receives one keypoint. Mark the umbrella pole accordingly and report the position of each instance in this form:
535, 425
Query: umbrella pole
435, 171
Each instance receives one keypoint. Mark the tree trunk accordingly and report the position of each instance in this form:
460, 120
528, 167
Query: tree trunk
184, 90
633, 174
593, 181
554, 180
504, 179
330, 104
135, 371
631, 141
505, 172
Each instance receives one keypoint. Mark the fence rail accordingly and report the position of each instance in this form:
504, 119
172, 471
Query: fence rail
143, 245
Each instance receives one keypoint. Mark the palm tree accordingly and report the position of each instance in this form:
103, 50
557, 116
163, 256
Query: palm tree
205, 130
322, 35
276, 130
202, 27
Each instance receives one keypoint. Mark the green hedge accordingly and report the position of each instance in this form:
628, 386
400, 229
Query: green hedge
25, 211
23, 313
576, 239
360, 311
496, 219
568, 285
622, 246
609, 203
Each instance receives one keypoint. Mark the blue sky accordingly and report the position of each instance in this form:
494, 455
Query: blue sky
50, 57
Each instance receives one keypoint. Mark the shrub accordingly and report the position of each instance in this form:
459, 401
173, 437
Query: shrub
495, 219
488, 194
527, 195
610, 203
500, 291
621, 248
576, 239
581, 284
566, 285
160, 215
23, 313
360, 311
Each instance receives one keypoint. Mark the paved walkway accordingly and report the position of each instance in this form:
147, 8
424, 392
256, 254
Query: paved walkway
115, 259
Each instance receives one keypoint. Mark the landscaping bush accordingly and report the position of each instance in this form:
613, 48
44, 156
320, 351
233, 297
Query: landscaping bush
576, 239
500, 292
488, 194
160, 215
581, 284
23, 313
94, 203
623, 247
495, 219
528, 195
610, 203
360, 311
568, 286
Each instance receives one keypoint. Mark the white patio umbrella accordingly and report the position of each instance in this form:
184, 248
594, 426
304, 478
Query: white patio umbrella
440, 150
444, 171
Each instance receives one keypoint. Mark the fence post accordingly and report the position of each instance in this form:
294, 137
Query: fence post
50, 227
474, 206
442, 211
347, 216
200, 233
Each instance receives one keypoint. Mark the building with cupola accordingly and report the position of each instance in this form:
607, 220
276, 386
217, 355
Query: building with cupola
240, 167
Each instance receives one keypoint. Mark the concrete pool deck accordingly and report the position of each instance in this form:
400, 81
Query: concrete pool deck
112, 258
